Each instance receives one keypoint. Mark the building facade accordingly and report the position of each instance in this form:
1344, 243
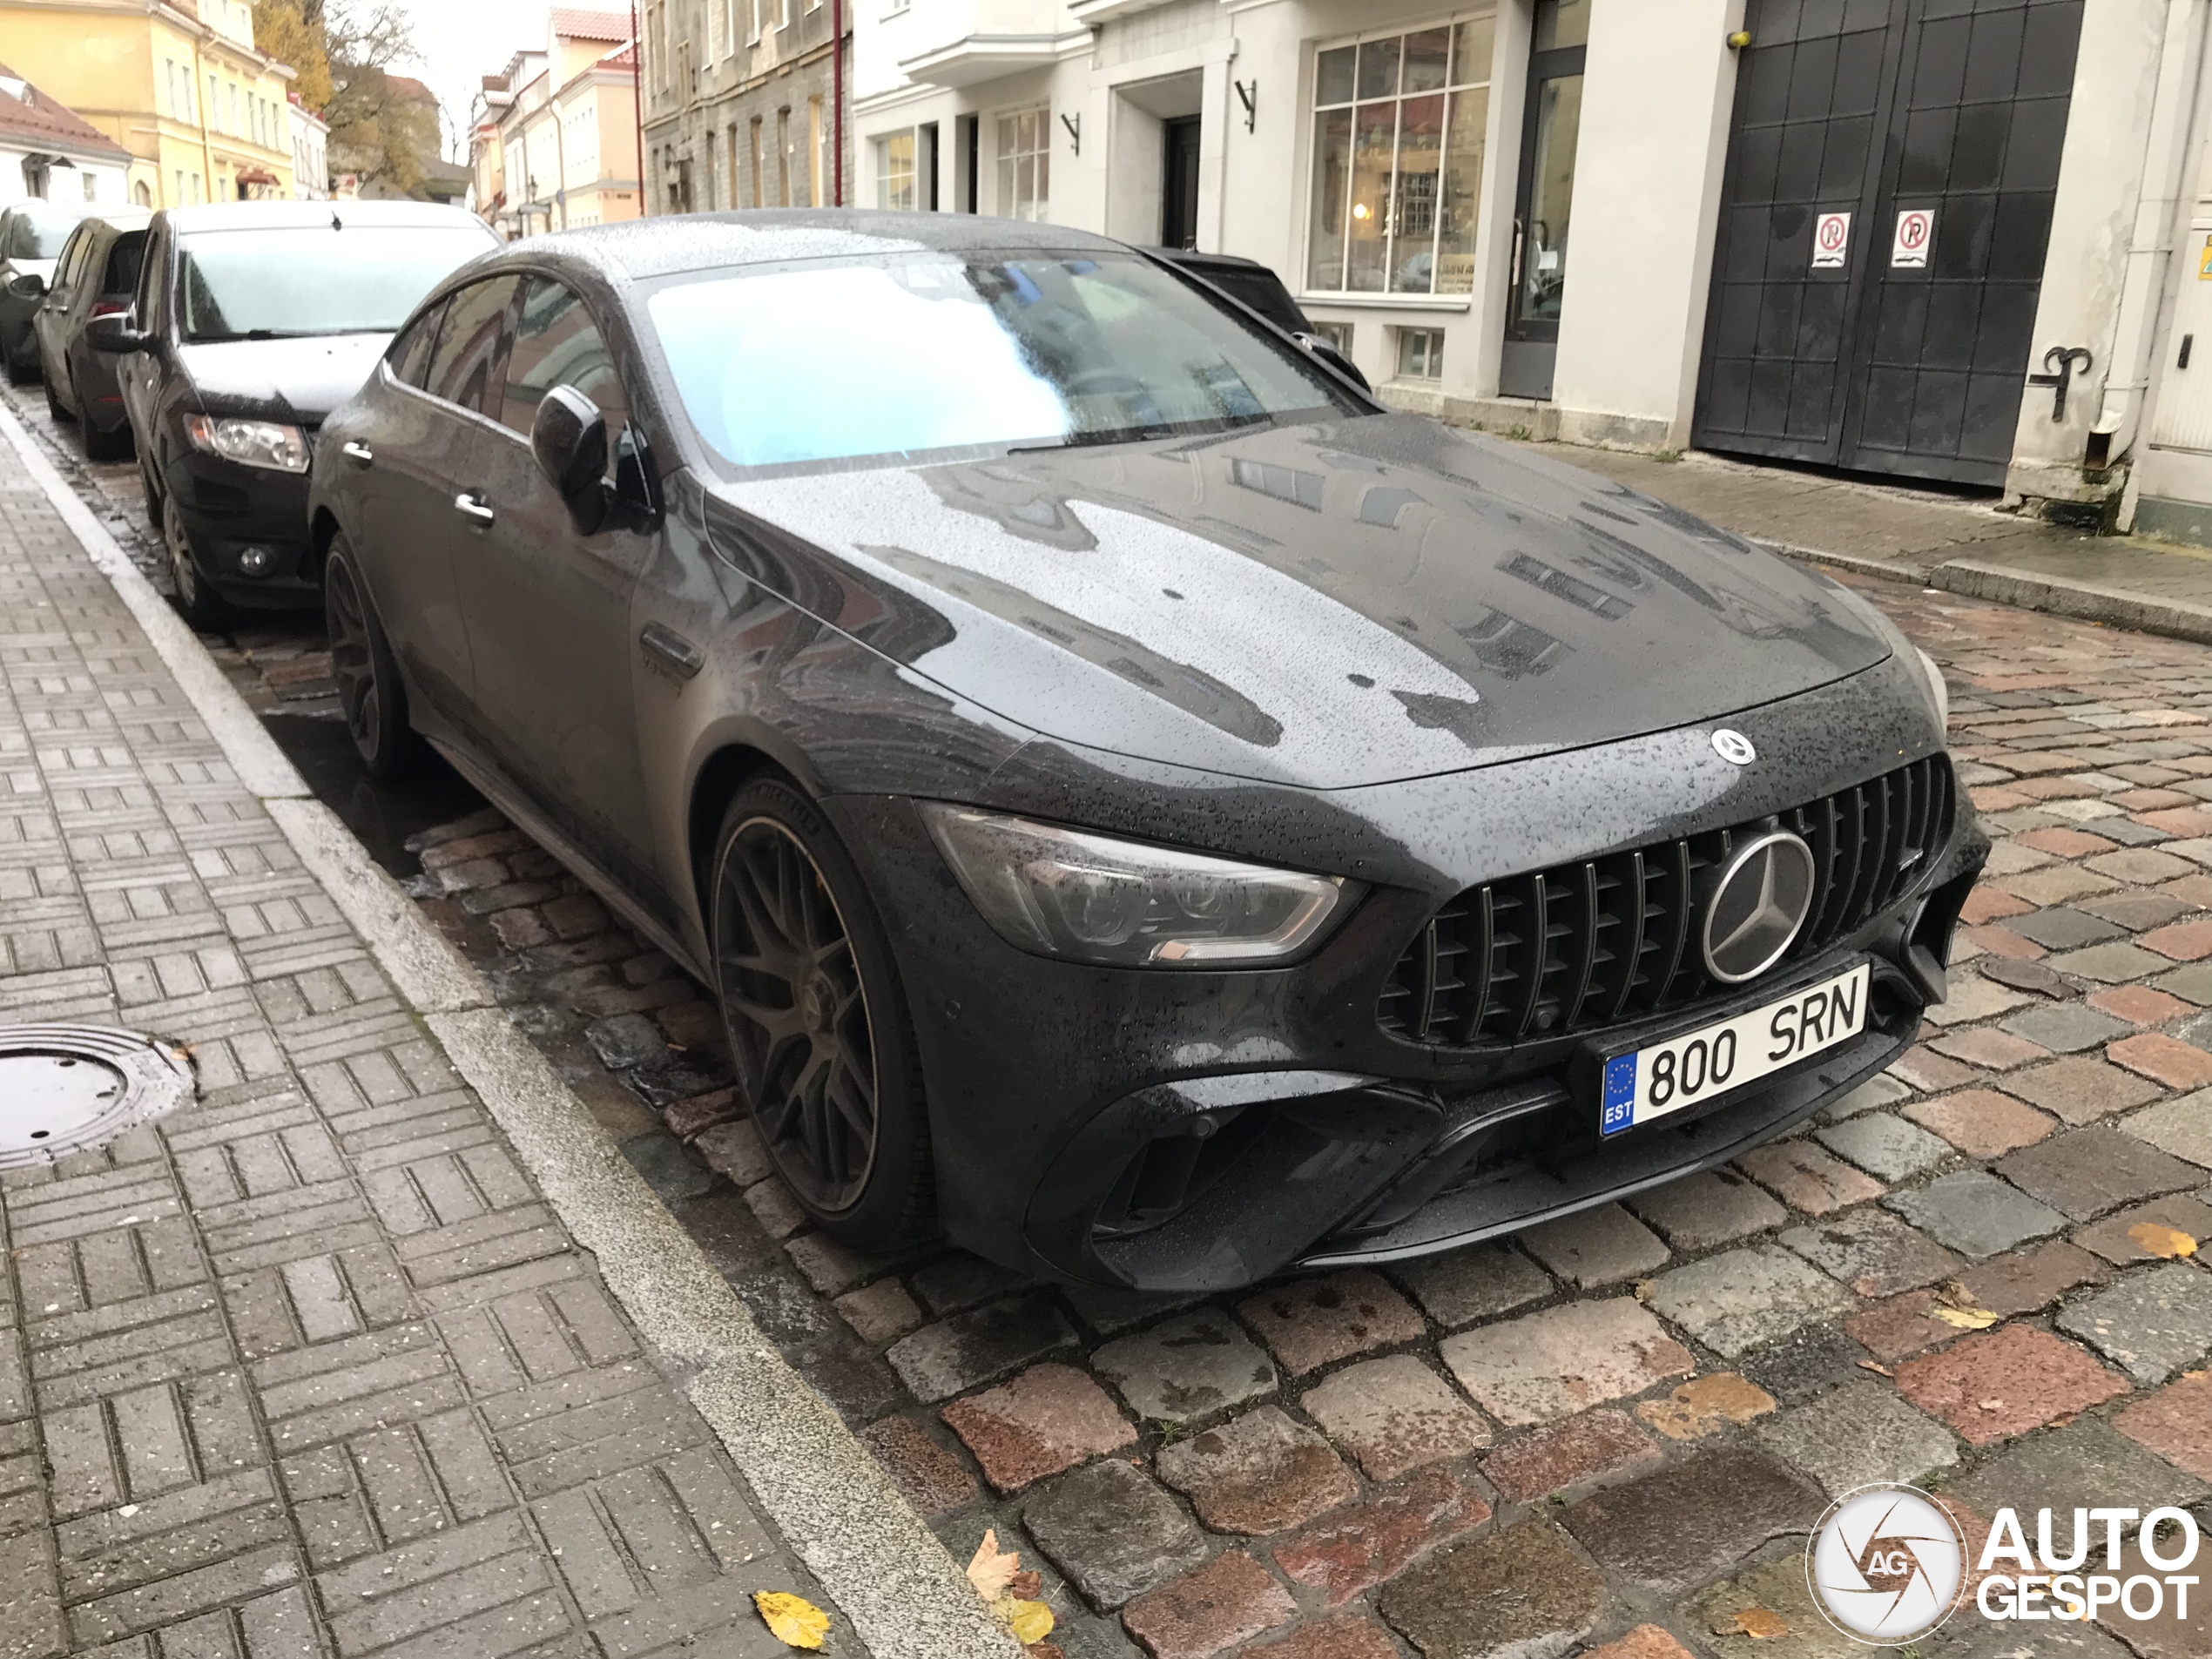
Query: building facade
1863, 233
310, 153
178, 83
50, 153
747, 103
554, 142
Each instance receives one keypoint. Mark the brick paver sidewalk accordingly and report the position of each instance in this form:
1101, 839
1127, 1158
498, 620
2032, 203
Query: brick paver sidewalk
308, 1367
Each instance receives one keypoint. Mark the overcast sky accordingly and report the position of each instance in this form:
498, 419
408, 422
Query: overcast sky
463, 41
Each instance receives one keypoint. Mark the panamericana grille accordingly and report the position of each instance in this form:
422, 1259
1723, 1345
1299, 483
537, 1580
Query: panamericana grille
1588, 945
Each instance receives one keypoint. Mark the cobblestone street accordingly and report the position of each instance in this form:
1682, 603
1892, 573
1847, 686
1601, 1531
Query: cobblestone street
1610, 1434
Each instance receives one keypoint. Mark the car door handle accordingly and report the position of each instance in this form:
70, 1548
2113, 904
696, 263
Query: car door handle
673, 650
472, 507
359, 454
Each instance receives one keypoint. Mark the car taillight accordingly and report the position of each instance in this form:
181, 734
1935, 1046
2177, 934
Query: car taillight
109, 307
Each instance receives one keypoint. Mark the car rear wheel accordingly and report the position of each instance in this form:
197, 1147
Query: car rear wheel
150, 483
817, 1020
54, 405
100, 444
369, 692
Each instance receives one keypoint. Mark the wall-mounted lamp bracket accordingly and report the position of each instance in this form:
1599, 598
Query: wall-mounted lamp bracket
1075, 125
1248, 95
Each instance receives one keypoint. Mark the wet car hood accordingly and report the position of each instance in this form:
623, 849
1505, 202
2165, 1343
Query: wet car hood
1335, 605
294, 380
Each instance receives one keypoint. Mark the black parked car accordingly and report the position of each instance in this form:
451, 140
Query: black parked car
1251, 283
1136, 798
96, 276
31, 234
252, 321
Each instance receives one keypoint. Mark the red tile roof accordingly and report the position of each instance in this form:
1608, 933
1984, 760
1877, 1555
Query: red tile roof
47, 125
578, 24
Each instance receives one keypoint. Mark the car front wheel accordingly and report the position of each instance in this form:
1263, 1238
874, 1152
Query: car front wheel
199, 605
369, 692
817, 1020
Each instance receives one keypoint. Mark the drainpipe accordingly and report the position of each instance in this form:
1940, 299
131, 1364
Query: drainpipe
2143, 287
637, 102
837, 102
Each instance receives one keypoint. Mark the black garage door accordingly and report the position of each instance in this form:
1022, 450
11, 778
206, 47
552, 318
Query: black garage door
1897, 341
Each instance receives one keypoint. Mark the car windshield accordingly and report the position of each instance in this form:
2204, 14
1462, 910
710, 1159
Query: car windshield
37, 233
282, 281
814, 363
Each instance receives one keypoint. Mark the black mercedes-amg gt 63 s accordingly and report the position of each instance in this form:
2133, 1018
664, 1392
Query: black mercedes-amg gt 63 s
1145, 808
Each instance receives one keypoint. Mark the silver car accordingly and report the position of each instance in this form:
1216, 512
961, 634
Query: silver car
31, 234
96, 276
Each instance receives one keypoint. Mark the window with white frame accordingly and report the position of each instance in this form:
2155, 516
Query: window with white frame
1398, 123
753, 9
895, 171
718, 31
1421, 353
1025, 163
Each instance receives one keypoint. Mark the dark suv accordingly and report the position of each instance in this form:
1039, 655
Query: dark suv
253, 320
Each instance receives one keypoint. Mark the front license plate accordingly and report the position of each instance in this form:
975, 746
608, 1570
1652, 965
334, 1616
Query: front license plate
1695, 1068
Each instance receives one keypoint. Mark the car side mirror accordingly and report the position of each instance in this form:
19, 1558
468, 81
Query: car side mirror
1328, 353
568, 437
28, 286
116, 334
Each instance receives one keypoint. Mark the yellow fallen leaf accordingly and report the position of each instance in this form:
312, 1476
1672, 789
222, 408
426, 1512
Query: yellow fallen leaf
1759, 1623
991, 1569
2154, 1240
792, 1620
1029, 1621
1965, 1318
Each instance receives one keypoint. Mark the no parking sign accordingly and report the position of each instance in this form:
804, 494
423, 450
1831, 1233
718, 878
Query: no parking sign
1915, 230
1830, 240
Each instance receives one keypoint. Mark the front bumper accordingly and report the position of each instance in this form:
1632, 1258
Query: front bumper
1199, 1132
228, 509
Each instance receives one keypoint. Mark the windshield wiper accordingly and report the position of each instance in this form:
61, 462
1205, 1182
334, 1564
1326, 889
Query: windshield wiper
255, 333
1143, 433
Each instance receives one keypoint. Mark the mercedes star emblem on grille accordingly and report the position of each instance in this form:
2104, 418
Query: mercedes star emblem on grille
1758, 905
1734, 747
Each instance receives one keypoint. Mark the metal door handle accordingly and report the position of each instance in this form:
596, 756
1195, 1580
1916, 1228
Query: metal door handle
472, 507
360, 454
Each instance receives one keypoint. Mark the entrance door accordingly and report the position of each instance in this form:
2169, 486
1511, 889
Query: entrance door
1544, 204
1883, 219
1179, 184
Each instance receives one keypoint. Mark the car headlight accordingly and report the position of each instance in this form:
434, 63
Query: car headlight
1937, 689
251, 443
1067, 893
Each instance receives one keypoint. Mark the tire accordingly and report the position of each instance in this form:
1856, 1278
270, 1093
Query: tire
196, 601
106, 446
369, 692
54, 405
150, 483
817, 1019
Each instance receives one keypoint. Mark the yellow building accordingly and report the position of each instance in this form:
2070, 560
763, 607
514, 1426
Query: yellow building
177, 83
554, 138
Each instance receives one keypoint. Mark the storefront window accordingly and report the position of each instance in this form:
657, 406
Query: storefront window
1398, 138
894, 170
1025, 164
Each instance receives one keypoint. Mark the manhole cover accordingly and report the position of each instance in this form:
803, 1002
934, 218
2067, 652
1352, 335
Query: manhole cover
64, 1088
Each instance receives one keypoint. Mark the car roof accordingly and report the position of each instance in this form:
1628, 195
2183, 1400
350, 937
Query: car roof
664, 246
286, 215
122, 219
1198, 261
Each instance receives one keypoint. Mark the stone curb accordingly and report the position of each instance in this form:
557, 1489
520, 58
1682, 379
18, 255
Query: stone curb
890, 1576
2025, 591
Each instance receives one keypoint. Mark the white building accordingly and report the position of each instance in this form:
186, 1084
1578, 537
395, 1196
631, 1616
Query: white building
1840, 231
48, 152
310, 154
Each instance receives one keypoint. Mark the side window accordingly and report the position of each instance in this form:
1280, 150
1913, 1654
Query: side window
149, 303
464, 368
556, 343
122, 261
70, 265
410, 354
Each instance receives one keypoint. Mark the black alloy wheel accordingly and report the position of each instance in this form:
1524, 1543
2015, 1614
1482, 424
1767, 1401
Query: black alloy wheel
818, 1028
369, 692
199, 603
